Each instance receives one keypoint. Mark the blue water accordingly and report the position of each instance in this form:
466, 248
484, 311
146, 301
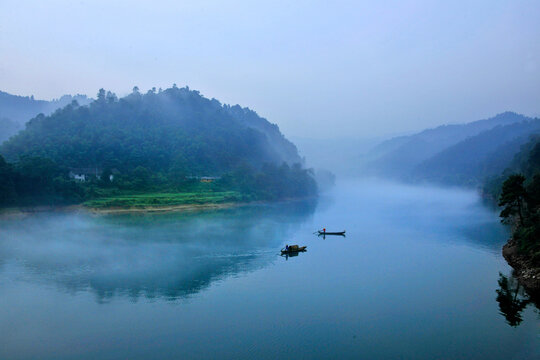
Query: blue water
415, 278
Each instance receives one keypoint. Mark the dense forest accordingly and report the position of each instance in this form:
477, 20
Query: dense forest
159, 141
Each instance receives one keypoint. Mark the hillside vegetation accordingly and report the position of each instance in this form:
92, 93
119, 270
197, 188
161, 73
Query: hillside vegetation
519, 196
154, 142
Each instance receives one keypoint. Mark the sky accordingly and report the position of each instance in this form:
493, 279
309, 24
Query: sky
318, 69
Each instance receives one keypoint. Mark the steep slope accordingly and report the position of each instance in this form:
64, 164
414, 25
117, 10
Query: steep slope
520, 183
280, 145
399, 156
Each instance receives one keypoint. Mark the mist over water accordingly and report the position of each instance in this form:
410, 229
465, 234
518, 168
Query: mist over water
167, 255
153, 106
415, 277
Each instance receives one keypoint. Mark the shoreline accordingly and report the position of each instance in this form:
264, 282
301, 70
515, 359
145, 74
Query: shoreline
525, 271
166, 208
29, 210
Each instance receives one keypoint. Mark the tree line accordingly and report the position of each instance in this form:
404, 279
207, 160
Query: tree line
40, 181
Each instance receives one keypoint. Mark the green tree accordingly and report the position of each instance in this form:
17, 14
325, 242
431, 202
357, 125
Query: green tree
105, 179
513, 198
141, 178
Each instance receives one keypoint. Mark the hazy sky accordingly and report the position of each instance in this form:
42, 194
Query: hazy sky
329, 68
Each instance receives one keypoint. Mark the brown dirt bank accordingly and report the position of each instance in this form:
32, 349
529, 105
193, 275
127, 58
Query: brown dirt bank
526, 272
25, 211
22, 211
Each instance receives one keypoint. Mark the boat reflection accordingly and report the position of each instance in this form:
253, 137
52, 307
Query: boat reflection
289, 254
323, 235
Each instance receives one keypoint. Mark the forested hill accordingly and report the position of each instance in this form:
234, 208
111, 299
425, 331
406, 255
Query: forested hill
160, 148
176, 129
517, 190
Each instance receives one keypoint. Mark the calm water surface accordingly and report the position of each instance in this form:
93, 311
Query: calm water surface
415, 278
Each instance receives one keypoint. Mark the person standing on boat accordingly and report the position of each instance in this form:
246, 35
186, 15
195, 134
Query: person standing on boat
287, 247
324, 230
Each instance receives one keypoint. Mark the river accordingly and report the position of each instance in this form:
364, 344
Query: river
416, 277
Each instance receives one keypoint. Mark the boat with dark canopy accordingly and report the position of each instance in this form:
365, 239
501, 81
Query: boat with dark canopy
293, 249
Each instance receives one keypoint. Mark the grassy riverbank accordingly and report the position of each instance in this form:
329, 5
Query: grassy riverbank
148, 200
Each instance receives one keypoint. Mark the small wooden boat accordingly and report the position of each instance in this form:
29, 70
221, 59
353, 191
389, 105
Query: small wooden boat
331, 232
293, 249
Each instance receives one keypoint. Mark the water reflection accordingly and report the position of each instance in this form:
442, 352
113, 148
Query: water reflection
168, 256
334, 235
288, 255
512, 299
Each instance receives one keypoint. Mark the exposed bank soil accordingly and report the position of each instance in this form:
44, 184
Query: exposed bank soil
526, 272
28, 210
24, 211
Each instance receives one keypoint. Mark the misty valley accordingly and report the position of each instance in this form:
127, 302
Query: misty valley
169, 225
269, 180
418, 266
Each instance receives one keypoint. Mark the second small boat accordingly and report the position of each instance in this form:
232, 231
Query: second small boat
331, 232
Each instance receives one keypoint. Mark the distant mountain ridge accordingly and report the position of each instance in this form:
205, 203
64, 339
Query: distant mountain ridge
23, 108
457, 154
478, 156
16, 110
